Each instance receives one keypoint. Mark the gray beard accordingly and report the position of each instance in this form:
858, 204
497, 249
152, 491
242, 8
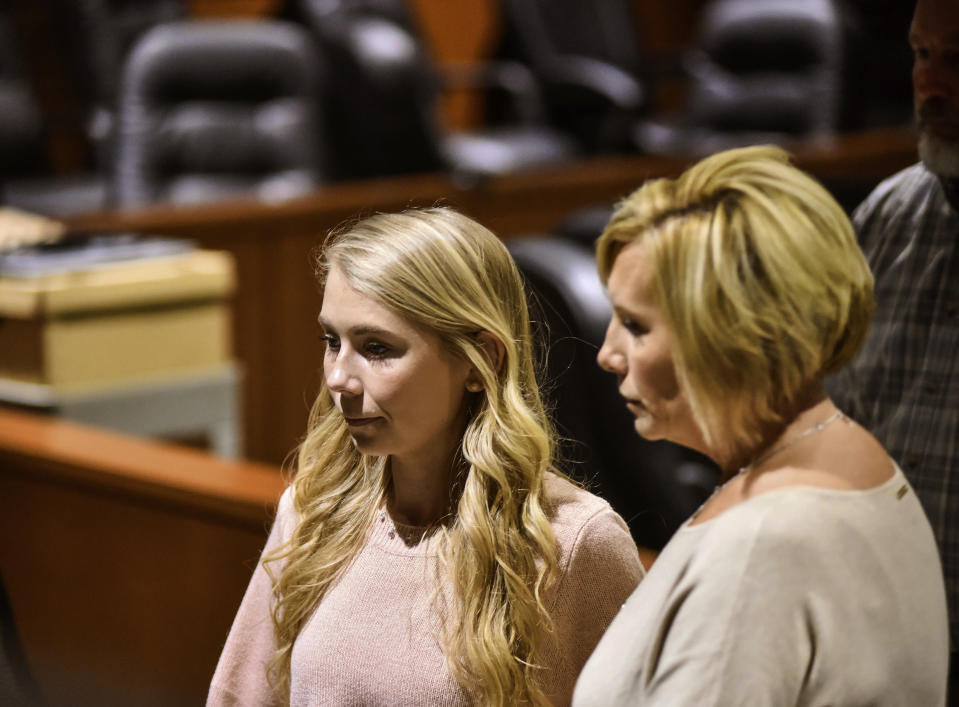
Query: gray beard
939, 157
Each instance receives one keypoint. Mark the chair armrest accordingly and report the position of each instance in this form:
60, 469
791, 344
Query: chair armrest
509, 76
600, 78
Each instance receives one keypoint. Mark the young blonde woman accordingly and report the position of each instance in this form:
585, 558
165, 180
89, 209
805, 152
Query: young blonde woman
811, 577
426, 553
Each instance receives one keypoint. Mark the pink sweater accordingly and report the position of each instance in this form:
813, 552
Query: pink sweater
373, 638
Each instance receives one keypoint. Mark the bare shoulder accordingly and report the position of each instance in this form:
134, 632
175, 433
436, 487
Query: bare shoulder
849, 458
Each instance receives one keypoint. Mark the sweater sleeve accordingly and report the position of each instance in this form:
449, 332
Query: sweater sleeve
240, 677
602, 570
741, 626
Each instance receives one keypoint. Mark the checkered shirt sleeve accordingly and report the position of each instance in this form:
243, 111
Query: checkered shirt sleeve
904, 384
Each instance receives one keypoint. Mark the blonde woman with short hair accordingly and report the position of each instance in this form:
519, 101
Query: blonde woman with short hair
811, 576
426, 552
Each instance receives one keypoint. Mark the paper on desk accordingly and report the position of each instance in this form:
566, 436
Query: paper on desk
20, 228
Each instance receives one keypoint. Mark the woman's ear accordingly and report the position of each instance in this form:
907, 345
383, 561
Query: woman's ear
496, 353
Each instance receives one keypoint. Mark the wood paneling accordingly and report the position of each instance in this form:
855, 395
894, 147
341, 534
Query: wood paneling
667, 25
465, 31
125, 560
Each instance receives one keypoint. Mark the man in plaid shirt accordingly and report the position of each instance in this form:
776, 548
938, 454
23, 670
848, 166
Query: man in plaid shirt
904, 385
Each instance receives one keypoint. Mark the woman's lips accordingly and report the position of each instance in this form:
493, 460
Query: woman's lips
360, 421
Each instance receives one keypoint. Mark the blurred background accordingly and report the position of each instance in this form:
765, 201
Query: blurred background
167, 167
462, 83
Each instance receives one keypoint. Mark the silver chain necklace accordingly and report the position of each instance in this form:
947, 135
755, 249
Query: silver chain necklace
765, 456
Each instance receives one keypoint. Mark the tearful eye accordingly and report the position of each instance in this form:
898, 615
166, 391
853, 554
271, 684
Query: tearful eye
634, 328
374, 349
332, 343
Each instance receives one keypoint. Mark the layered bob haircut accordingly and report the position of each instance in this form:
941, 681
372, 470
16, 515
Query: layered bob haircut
447, 273
762, 284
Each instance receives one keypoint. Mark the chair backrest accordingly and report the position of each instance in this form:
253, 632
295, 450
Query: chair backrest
218, 109
588, 57
102, 32
94, 38
655, 486
21, 131
767, 66
545, 29
381, 106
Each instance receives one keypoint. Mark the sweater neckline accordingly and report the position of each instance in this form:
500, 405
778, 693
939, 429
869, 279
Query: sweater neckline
897, 481
403, 539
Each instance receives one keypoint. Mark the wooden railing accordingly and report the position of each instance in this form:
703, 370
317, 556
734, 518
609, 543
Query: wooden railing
125, 560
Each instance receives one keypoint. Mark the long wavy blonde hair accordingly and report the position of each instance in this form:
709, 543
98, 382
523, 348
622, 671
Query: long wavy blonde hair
760, 278
441, 270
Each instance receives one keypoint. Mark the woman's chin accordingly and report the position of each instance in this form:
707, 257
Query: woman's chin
646, 427
365, 445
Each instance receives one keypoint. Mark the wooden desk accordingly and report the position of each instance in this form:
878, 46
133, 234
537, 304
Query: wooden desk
125, 559
277, 299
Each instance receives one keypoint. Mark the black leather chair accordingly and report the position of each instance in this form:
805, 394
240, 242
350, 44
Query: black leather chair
587, 57
26, 178
92, 39
21, 134
95, 37
212, 110
655, 486
585, 225
382, 106
763, 71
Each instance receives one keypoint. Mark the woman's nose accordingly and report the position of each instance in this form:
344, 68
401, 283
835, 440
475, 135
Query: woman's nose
341, 379
610, 358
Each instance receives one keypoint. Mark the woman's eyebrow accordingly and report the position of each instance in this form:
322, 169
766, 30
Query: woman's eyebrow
364, 329
357, 330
